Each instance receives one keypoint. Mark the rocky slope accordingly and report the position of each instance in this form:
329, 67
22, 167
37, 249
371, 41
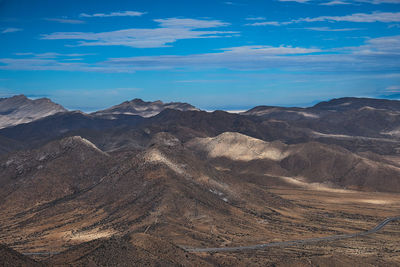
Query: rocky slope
309, 162
20, 109
130, 250
59, 169
10, 257
143, 108
81, 194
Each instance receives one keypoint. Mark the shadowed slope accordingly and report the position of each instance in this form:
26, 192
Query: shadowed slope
311, 162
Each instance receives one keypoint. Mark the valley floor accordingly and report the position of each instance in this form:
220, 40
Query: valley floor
326, 213
317, 213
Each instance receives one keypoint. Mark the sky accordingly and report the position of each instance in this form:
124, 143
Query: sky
214, 54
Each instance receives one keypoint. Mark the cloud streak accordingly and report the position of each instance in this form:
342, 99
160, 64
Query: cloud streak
384, 17
170, 31
9, 30
51, 54
66, 21
327, 29
347, 2
113, 14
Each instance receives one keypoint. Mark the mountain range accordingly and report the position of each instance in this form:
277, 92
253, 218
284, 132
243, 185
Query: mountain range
141, 182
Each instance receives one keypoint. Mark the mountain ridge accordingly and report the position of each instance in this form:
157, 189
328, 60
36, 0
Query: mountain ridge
20, 109
143, 108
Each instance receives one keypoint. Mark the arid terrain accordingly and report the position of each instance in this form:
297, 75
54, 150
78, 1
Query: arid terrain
123, 188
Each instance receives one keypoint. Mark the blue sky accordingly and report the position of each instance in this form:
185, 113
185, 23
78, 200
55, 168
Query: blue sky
214, 54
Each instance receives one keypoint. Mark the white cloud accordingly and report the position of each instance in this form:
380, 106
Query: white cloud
385, 17
298, 1
270, 23
114, 14
8, 30
347, 2
67, 21
263, 50
358, 17
190, 23
334, 3
171, 30
377, 2
327, 29
55, 65
393, 89
382, 46
232, 3
50, 55
256, 18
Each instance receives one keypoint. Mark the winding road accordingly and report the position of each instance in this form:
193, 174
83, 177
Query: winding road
296, 242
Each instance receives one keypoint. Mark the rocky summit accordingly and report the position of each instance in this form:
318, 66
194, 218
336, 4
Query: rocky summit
20, 109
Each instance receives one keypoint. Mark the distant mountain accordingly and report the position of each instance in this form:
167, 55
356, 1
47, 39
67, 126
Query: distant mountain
334, 105
20, 109
343, 117
144, 109
351, 103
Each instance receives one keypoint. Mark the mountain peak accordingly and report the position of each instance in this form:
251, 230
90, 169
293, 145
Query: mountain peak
143, 108
74, 141
21, 96
20, 109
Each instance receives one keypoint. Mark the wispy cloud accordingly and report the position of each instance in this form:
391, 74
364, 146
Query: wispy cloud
40, 64
393, 89
377, 16
8, 30
327, 29
66, 21
268, 23
298, 1
358, 17
375, 55
335, 3
380, 54
383, 46
232, 3
190, 23
170, 31
256, 18
346, 2
378, 2
113, 14
50, 54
